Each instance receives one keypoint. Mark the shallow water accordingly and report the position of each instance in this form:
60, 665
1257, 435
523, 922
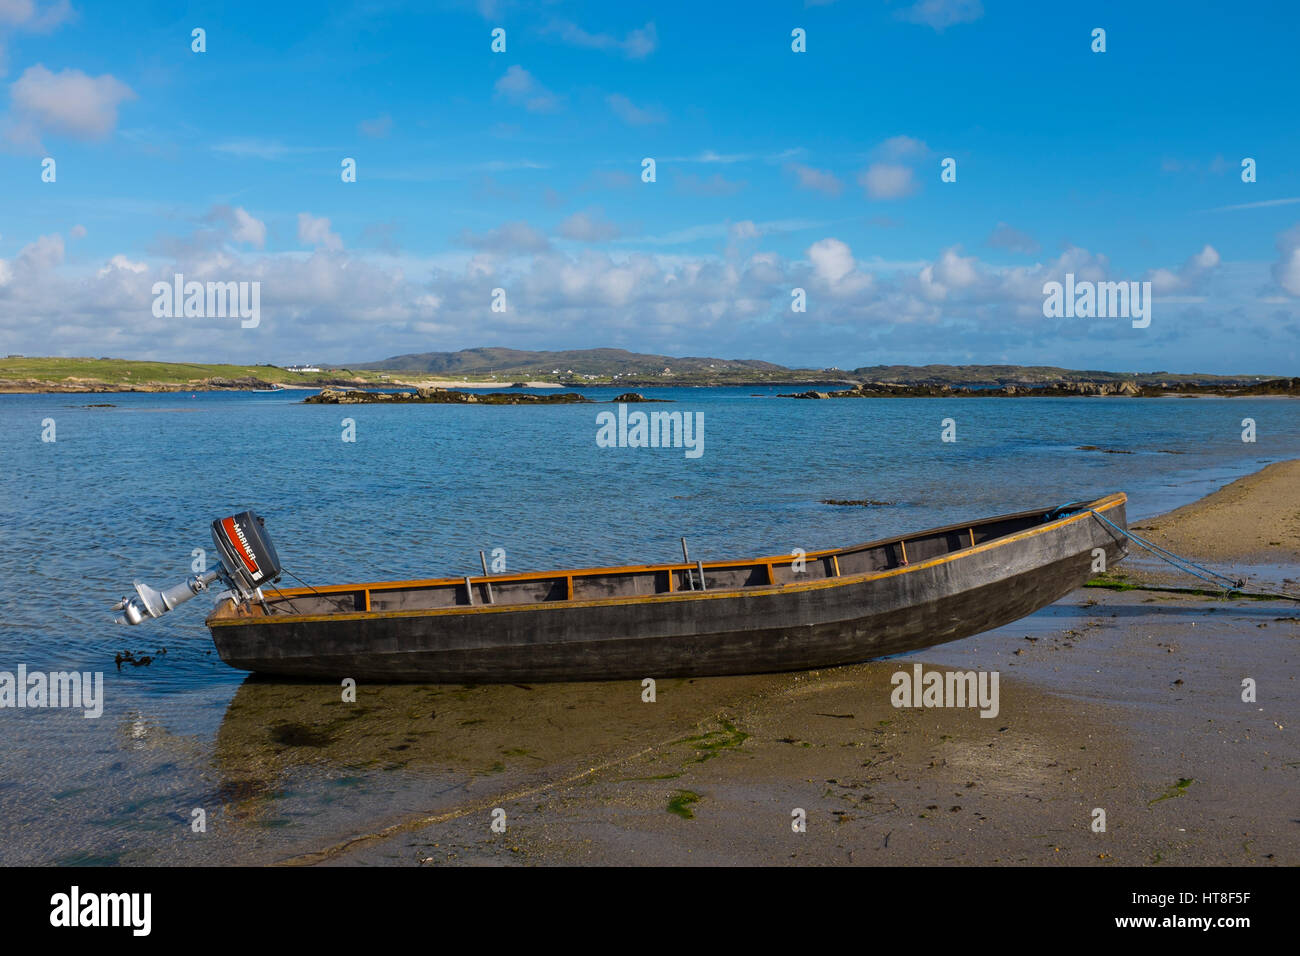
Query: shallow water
128, 492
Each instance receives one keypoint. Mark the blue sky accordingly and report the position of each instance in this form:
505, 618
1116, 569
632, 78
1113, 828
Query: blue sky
776, 170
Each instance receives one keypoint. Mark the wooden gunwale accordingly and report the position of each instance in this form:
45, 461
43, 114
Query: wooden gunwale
228, 615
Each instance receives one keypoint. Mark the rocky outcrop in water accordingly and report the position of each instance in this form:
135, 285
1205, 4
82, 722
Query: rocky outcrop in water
1280, 386
630, 398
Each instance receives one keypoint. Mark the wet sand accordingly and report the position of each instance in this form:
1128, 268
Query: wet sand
1105, 702
1127, 702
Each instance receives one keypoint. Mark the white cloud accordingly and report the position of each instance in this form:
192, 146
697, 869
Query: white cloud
835, 268
711, 156
68, 102
350, 306
120, 261
820, 180
240, 225
887, 181
632, 114
509, 238
43, 254
1008, 237
950, 273
901, 148
261, 149
1290, 200
316, 232
941, 14
587, 226
832, 259
715, 185
250, 230
31, 16
266, 149
724, 230
77, 232
376, 128
1207, 258
521, 88
1286, 271
1185, 277
637, 45
26, 16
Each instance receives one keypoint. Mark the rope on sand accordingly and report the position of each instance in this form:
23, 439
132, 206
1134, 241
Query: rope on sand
1188, 566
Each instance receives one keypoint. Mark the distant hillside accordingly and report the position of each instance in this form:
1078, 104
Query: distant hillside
595, 362
636, 368
588, 360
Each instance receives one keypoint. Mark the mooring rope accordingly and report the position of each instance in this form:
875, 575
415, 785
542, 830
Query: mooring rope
1186, 565
1177, 560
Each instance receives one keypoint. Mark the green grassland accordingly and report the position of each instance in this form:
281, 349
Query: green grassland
102, 374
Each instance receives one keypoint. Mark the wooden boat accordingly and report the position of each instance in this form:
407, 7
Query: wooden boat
674, 620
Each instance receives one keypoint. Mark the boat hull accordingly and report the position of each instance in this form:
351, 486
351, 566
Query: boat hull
823, 623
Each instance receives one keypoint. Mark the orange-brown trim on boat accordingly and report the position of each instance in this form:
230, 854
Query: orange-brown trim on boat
228, 615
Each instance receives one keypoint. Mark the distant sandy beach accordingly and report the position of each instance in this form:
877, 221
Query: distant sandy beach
1128, 703
453, 383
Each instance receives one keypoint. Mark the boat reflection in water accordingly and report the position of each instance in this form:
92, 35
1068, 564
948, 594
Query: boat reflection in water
297, 755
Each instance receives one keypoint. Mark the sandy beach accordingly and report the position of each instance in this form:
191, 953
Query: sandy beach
1127, 704
1253, 520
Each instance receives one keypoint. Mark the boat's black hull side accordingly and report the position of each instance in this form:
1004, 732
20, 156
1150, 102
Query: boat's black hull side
691, 635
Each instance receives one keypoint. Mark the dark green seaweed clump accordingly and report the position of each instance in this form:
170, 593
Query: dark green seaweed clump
681, 803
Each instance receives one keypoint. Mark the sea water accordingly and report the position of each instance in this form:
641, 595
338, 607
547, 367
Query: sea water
129, 491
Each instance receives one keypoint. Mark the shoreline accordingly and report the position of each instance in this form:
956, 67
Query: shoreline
877, 390
1274, 388
1254, 519
104, 388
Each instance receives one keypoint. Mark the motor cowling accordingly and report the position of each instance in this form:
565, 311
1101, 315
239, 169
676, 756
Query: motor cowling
247, 561
247, 553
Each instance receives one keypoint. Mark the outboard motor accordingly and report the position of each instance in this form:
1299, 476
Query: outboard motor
247, 561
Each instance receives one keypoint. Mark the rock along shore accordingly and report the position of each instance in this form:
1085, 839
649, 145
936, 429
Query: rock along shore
1280, 386
439, 396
